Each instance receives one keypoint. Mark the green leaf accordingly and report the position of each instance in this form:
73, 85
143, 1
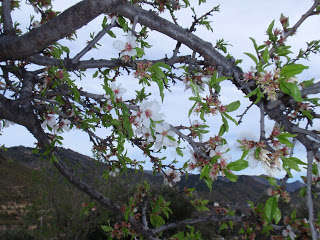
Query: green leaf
156, 220
140, 52
269, 30
272, 181
65, 49
179, 152
209, 182
197, 99
222, 130
266, 55
285, 141
225, 123
123, 23
303, 192
230, 176
250, 94
271, 209
128, 127
257, 92
291, 163
307, 114
111, 34
161, 64
286, 135
291, 89
106, 228
53, 158
255, 45
283, 50
186, 2
315, 169
214, 80
233, 106
277, 215
292, 70
214, 159
252, 57
238, 165
205, 171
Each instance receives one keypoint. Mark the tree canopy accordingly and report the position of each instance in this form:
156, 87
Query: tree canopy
40, 90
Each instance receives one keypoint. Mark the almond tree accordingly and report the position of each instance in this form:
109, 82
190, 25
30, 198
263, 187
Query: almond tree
39, 92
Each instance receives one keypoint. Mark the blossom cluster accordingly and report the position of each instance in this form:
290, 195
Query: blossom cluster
211, 105
218, 152
171, 176
150, 125
62, 125
256, 153
279, 192
267, 80
142, 69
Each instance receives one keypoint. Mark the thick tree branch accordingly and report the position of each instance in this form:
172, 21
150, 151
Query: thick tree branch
61, 26
154, 22
101, 63
6, 17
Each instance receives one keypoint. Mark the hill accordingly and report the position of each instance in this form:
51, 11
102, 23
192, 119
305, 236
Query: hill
246, 188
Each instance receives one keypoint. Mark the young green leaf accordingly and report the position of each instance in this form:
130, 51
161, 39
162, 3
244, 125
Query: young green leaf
292, 70
238, 165
252, 57
233, 106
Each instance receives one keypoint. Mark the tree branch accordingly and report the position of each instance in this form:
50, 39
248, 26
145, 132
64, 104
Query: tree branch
309, 196
292, 30
59, 27
6, 17
76, 59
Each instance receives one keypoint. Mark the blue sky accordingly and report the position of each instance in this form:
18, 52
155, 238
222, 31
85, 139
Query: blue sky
237, 21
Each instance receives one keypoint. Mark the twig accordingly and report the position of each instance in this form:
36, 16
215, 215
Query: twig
262, 126
76, 59
6, 17
292, 30
306, 132
135, 21
144, 213
244, 113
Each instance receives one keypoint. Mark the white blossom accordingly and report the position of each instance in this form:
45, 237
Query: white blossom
174, 176
162, 139
288, 232
126, 48
222, 151
270, 164
146, 134
65, 125
114, 172
149, 110
50, 121
263, 155
36, 24
118, 90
